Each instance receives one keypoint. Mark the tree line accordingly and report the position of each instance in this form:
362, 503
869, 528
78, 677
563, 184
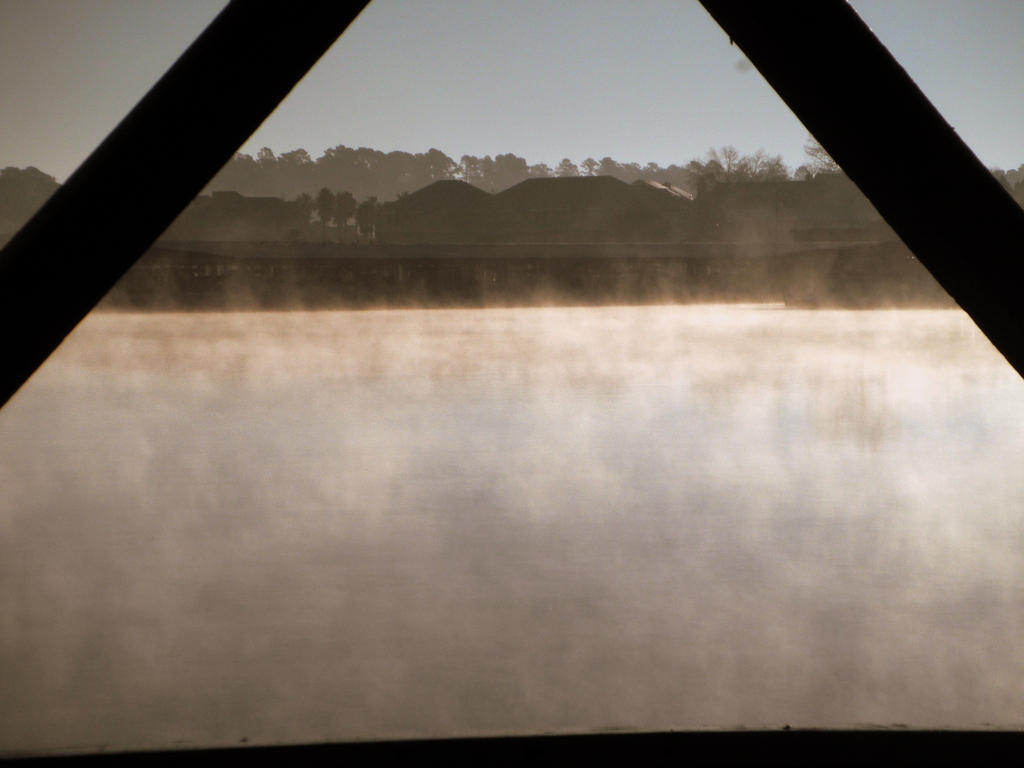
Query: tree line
720, 166
338, 208
370, 173
367, 173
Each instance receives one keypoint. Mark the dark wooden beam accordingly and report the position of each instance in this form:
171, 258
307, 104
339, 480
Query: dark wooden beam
857, 100
719, 748
151, 166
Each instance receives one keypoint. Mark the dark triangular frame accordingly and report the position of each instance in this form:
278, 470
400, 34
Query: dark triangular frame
819, 56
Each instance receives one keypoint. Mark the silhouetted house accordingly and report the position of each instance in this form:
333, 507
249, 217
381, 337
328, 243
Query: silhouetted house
593, 209
231, 216
22, 193
550, 210
446, 211
667, 187
826, 207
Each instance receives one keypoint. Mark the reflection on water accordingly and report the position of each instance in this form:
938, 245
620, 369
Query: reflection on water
340, 525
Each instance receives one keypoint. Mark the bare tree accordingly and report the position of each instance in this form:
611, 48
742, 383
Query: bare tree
818, 160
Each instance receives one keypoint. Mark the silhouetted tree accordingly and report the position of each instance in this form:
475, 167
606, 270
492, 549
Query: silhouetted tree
306, 205
653, 171
608, 167
436, 165
241, 173
265, 158
366, 217
764, 167
727, 166
1018, 193
728, 159
325, 208
291, 172
818, 160
471, 170
508, 171
297, 157
630, 172
344, 207
363, 171
486, 170
567, 168
368, 172
1015, 176
714, 172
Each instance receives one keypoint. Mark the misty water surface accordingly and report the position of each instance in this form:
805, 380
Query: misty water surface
349, 525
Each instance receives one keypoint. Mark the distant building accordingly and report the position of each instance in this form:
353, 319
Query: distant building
231, 216
827, 207
672, 189
446, 211
22, 192
577, 209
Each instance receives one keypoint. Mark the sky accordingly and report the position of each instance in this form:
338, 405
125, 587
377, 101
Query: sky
639, 81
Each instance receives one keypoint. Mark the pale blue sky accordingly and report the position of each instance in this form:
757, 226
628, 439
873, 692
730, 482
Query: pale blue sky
639, 80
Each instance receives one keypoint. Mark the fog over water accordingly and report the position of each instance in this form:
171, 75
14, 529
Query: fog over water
348, 525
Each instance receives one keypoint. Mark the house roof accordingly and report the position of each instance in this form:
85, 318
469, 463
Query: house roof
664, 187
570, 192
446, 192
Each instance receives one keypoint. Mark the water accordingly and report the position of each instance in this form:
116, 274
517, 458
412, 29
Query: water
350, 525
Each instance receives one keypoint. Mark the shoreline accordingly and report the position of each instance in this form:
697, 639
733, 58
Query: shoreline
283, 276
